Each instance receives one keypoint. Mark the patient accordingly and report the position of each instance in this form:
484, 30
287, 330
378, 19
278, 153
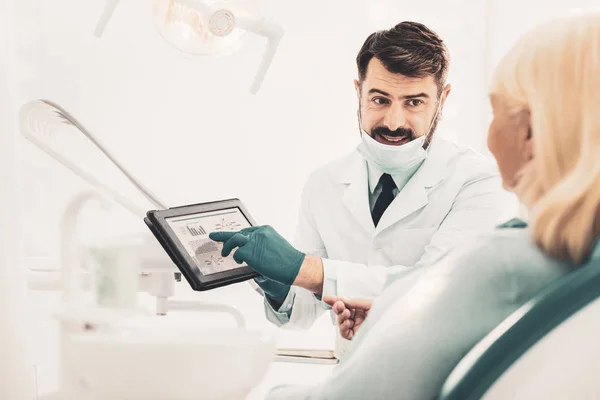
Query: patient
545, 137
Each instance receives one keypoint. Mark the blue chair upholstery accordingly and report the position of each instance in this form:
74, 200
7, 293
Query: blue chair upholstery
497, 352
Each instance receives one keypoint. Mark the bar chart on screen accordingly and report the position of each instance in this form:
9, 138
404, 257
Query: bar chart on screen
196, 230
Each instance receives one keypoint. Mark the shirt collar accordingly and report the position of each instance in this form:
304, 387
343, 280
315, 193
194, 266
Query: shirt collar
374, 176
400, 180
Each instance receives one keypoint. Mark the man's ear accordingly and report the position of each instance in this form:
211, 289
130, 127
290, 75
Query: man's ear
445, 93
358, 117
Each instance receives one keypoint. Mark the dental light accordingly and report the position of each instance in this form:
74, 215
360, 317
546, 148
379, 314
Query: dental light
208, 27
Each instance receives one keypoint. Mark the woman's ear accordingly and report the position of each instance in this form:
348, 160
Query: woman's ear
528, 147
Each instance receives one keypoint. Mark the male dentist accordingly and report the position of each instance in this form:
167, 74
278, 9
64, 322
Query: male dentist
400, 201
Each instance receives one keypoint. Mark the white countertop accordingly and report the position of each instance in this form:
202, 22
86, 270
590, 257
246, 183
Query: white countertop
281, 373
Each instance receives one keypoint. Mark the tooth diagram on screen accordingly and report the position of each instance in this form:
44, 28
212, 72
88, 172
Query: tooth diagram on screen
193, 231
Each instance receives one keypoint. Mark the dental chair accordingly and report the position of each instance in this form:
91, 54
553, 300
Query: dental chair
548, 349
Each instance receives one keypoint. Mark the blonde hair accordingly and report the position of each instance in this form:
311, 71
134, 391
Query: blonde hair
553, 73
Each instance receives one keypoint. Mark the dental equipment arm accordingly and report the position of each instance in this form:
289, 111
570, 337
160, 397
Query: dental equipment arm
71, 278
273, 33
109, 10
31, 115
221, 19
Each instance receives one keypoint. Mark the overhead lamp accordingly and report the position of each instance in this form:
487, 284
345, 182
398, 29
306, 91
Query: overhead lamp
209, 27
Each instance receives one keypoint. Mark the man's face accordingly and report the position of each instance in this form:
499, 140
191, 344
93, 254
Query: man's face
394, 108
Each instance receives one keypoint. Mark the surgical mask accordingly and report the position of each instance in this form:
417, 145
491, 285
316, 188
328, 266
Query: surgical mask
395, 160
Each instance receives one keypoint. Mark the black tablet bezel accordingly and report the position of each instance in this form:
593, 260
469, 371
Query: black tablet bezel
156, 222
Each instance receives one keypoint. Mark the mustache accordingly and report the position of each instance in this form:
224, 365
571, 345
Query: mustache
400, 132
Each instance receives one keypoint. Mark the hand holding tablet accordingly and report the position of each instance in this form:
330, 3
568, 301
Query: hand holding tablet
184, 234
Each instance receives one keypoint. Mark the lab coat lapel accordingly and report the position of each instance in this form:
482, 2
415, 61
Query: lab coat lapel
410, 199
413, 196
356, 194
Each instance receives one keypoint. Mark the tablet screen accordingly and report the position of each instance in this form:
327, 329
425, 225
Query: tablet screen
192, 231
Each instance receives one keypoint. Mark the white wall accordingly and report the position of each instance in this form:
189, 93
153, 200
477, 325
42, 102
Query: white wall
189, 129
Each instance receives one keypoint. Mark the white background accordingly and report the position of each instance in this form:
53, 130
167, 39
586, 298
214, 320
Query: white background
188, 128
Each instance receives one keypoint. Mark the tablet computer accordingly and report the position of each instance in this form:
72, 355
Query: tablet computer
183, 233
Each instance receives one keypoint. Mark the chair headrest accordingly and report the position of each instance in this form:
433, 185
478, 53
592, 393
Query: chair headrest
492, 356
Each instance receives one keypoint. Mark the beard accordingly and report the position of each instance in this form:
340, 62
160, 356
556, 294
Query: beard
402, 135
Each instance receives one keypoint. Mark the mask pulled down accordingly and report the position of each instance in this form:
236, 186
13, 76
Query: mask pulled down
393, 160
396, 160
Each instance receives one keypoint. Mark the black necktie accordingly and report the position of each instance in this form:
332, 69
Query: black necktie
385, 198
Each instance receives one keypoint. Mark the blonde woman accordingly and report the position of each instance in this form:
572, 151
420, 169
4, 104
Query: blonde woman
545, 137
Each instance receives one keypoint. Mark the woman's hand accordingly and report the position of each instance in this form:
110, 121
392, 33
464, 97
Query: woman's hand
350, 313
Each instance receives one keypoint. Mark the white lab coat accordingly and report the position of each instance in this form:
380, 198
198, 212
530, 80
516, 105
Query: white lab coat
455, 193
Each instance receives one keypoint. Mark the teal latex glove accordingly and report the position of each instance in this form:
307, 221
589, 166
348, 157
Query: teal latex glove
264, 250
274, 291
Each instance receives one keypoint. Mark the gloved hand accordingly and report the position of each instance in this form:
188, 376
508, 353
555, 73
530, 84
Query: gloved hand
264, 250
274, 291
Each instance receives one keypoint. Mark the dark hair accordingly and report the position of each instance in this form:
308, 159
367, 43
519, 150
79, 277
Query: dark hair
410, 49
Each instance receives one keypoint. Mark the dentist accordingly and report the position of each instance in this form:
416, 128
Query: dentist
400, 201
